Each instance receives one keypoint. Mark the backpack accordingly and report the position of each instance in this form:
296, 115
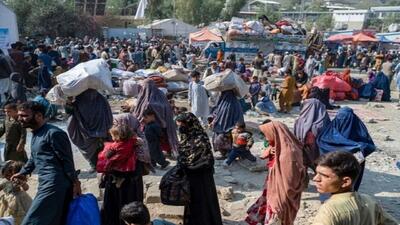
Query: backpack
175, 187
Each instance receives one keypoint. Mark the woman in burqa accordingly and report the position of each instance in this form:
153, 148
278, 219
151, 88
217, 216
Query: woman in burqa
226, 114
347, 133
17, 91
150, 97
196, 159
286, 179
312, 120
89, 124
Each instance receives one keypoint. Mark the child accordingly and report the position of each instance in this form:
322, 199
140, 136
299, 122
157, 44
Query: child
136, 213
266, 86
153, 133
274, 92
15, 202
265, 105
118, 155
15, 135
242, 141
198, 98
255, 88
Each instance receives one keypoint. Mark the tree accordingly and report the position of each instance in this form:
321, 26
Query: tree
324, 22
50, 17
159, 9
231, 8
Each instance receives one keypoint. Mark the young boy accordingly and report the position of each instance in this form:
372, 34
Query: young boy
136, 213
15, 135
254, 90
266, 87
274, 92
242, 141
336, 174
153, 132
198, 98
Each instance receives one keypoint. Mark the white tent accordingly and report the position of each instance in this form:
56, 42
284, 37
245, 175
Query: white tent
8, 27
171, 27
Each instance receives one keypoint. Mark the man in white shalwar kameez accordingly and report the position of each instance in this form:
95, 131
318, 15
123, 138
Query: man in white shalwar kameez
198, 98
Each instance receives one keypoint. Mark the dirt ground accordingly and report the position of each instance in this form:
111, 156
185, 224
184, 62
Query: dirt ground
381, 177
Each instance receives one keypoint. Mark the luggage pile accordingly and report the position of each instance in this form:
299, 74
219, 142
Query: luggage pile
241, 27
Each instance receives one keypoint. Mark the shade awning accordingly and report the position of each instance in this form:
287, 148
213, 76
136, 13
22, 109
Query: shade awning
340, 37
204, 35
361, 37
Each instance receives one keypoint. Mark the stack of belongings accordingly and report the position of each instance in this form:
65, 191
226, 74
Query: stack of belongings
225, 81
241, 27
94, 74
339, 89
132, 86
177, 79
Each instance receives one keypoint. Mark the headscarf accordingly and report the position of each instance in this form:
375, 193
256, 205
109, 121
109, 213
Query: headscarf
346, 76
313, 117
301, 80
194, 145
150, 97
133, 123
17, 88
382, 82
346, 133
286, 179
322, 95
227, 112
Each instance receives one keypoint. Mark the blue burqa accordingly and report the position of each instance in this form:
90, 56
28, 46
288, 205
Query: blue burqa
382, 82
227, 112
346, 133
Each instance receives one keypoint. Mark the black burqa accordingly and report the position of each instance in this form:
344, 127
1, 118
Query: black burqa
89, 124
196, 158
17, 89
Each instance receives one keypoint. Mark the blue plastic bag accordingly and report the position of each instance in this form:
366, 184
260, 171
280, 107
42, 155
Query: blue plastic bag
84, 210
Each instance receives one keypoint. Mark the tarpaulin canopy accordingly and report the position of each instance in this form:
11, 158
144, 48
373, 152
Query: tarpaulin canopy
361, 37
204, 35
383, 39
340, 37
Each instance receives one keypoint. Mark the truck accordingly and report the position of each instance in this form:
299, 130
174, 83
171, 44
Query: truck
247, 47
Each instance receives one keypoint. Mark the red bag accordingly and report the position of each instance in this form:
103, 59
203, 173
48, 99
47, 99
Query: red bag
123, 157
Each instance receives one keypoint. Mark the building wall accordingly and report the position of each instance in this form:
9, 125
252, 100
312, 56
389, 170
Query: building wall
355, 19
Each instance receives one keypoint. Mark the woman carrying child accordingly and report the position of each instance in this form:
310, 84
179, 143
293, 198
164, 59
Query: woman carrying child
122, 173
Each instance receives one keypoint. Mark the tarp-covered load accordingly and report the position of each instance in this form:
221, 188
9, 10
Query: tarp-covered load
338, 88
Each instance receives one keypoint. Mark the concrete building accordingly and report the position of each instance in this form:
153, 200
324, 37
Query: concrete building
171, 27
385, 11
8, 27
251, 8
351, 19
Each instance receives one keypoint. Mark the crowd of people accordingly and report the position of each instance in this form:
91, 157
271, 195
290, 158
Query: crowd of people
148, 136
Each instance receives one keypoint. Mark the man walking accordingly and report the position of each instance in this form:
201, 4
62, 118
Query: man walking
51, 156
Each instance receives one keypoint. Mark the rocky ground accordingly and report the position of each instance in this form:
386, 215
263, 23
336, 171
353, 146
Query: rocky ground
241, 184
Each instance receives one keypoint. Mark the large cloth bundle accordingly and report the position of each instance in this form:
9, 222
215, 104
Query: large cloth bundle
336, 85
84, 210
176, 75
175, 187
93, 74
122, 73
158, 80
130, 88
225, 81
177, 86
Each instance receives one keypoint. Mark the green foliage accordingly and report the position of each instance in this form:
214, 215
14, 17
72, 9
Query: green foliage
54, 18
231, 8
374, 23
324, 22
159, 9
273, 15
